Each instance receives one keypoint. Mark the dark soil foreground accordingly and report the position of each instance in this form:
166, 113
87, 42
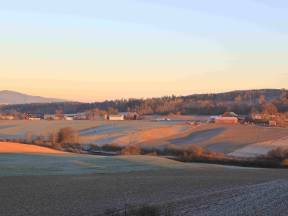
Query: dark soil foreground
207, 190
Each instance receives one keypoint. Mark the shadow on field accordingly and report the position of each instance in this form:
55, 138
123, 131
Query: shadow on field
198, 136
145, 210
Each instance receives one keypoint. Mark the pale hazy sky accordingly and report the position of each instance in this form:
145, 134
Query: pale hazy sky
92, 50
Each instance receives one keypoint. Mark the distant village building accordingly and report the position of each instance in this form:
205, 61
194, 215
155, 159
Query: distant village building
7, 117
270, 120
131, 115
67, 117
272, 123
34, 117
78, 116
226, 118
230, 114
118, 117
49, 116
263, 116
123, 116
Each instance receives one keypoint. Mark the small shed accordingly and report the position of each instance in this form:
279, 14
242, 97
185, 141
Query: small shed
49, 117
68, 117
130, 115
225, 120
230, 114
119, 117
123, 116
272, 123
7, 117
34, 117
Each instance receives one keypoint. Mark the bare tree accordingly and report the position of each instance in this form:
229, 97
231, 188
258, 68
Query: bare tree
68, 136
270, 109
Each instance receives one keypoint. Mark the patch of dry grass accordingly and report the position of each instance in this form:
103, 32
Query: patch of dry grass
9, 147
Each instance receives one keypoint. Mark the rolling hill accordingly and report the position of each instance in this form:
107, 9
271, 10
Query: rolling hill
12, 97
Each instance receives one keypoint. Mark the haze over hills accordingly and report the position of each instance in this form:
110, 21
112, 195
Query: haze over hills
12, 97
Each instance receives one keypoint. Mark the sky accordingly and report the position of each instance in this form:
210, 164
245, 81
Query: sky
92, 50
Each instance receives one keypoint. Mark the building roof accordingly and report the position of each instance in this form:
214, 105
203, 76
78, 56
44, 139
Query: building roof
116, 115
229, 114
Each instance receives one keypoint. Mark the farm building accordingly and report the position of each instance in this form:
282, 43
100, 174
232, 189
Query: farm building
123, 116
230, 114
272, 123
34, 117
269, 120
226, 118
6, 117
77, 116
119, 117
50, 117
68, 117
130, 115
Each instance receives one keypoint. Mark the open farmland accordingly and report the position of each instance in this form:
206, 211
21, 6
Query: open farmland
236, 140
90, 131
41, 181
71, 184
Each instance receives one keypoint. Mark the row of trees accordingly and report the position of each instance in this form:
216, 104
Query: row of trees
56, 139
242, 102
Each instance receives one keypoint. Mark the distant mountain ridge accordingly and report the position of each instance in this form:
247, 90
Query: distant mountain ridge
12, 97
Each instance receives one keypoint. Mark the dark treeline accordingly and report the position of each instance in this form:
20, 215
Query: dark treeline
241, 102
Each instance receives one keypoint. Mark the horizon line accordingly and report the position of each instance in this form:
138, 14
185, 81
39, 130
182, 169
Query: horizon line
139, 98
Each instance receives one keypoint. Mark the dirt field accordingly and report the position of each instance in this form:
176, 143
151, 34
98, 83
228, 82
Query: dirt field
237, 140
70, 184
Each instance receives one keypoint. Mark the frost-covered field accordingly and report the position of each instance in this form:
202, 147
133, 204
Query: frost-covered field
38, 181
70, 184
33, 164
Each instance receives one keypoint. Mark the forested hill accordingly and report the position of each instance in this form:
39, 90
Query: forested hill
242, 102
